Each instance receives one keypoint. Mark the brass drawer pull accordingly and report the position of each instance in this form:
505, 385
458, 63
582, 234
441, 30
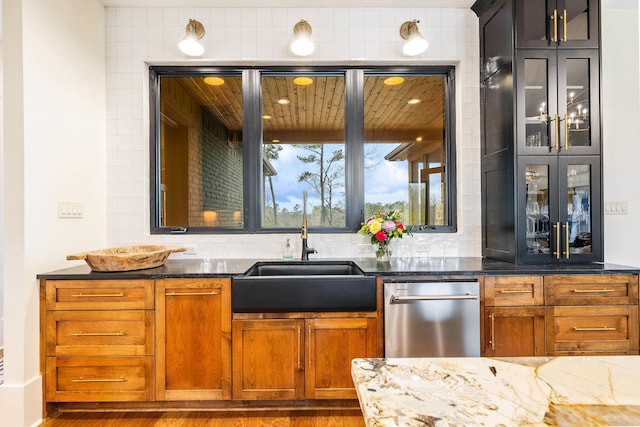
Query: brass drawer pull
603, 328
176, 294
119, 294
586, 291
515, 291
493, 332
98, 334
99, 380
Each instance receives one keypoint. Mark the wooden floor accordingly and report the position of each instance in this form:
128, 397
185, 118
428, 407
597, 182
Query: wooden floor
326, 418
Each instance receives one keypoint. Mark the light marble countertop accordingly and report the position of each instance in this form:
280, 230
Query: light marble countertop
479, 391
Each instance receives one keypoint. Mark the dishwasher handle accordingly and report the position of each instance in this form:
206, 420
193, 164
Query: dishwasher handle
400, 299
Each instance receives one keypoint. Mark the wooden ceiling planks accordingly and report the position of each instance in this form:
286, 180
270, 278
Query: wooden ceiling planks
316, 111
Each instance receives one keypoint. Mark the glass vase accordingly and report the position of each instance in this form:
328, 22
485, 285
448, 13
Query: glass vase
383, 252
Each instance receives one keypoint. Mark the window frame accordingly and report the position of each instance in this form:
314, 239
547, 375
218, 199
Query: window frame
252, 142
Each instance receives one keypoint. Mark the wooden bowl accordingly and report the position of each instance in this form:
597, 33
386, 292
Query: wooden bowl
126, 258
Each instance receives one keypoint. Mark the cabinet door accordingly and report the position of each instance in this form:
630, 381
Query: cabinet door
562, 24
582, 330
331, 345
193, 327
578, 102
558, 102
268, 359
514, 331
579, 220
537, 208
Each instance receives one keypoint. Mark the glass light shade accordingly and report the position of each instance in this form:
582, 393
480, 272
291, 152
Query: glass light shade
191, 47
302, 45
415, 45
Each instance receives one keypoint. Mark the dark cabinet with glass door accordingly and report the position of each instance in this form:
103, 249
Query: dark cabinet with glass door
540, 127
562, 24
560, 198
558, 102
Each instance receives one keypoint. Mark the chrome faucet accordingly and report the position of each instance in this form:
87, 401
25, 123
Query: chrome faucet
305, 249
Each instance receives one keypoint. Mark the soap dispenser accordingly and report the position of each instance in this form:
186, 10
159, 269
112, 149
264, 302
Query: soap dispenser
287, 253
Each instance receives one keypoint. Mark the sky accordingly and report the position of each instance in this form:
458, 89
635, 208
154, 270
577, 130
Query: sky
385, 183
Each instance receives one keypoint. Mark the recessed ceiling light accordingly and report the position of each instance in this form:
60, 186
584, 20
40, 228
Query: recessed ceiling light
214, 81
266, 117
303, 81
275, 141
419, 139
283, 101
414, 101
392, 81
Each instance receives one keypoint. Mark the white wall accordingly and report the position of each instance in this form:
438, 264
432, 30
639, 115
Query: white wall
621, 112
1, 188
137, 37
55, 149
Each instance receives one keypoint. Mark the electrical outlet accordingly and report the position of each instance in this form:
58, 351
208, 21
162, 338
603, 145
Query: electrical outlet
70, 209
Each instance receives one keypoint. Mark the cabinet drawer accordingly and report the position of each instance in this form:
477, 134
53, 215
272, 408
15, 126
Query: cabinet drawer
588, 290
99, 294
504, 291
99, 333
594, 328
99, 379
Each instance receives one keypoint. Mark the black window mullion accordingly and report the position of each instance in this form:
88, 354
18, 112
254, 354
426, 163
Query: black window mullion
252, 148
354, 147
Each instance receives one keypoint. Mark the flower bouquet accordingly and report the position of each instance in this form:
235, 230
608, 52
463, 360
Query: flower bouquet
382, 227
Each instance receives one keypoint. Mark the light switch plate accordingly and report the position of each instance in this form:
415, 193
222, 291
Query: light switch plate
70, 209
616, 208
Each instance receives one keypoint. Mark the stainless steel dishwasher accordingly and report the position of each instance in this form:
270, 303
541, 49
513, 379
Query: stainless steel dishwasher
431, 319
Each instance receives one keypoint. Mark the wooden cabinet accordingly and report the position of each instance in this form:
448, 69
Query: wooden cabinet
299, 358
589, 314
513, 316
540, 130
560, 315
98, 340
193, 339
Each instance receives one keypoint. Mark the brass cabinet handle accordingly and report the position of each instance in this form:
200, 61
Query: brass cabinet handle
566, 131
566, 239
557, 120
556, 229
119, 294
583, 291
515, 291
177, 294
99, 380
493, 332
98, 334
309, 346
299, 349
554, 18
564, 26
602, 328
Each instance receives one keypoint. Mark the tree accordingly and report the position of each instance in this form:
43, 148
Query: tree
272, 152
325, 178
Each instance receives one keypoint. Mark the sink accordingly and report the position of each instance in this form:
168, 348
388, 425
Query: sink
305, 268
302, 286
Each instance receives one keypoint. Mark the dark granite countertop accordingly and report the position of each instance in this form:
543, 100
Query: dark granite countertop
400, 267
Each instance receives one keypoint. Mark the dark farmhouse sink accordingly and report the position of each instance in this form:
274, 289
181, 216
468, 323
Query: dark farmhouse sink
283, 286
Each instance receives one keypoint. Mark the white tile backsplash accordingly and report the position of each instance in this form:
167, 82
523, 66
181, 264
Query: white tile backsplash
137, 37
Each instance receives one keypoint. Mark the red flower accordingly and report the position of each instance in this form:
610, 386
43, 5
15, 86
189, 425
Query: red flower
381, 236
400, 226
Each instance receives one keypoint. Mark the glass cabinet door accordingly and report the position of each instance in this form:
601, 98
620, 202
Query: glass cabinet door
560, 208
538, 105
557, 23
579, 220
537, 209
578, 104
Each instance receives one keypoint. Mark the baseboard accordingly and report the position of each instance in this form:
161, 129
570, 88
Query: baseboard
21, 405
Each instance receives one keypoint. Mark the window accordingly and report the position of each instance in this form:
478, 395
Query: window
233, 149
